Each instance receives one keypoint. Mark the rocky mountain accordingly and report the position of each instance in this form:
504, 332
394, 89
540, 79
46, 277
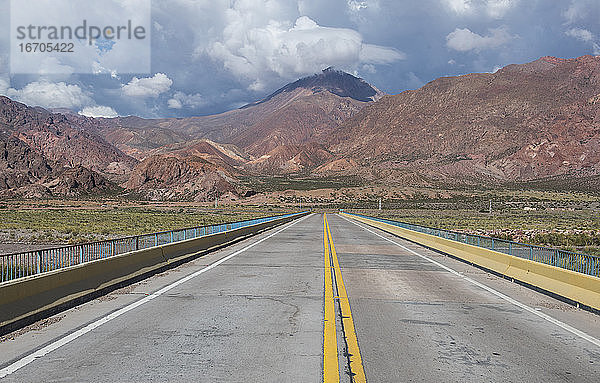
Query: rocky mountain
299, 113
43, 154
59, 139
536, 123
171, 178
290, 159
138, 143
524, 122
304, 111
225, 156
27, 173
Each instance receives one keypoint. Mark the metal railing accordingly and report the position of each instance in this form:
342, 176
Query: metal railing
19, 265
581, 263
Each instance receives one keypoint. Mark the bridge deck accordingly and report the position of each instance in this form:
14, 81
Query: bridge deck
257, 315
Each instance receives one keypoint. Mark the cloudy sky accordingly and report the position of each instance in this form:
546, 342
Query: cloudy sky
208, 56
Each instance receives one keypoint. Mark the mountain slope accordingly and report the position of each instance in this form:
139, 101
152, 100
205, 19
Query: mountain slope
299, 113
62, 139
525, 122
27, 173
531, 124
63, 154
171, 178
44, 154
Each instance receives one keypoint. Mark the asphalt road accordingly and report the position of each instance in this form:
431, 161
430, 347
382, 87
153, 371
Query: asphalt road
254, 312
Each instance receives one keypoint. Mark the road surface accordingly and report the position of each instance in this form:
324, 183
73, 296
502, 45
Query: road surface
257, 312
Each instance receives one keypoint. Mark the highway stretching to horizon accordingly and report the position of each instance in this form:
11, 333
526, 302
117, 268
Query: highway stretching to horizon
322, 298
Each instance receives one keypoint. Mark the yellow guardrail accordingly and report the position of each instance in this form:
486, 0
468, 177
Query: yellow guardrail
580, 288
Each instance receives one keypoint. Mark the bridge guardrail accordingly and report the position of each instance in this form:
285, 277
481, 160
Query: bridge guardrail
578, 262
564, 282
24, 264
27, 299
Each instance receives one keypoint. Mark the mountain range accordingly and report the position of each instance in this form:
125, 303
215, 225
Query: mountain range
522, 123
531, 123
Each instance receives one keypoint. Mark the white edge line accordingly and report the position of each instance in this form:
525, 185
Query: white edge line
10, 369
542, 315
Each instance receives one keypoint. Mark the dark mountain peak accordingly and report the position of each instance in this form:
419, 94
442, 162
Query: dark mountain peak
337, 82
334, 81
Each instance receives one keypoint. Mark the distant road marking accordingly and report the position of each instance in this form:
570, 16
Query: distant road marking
354, 357
331, 369
540, 314
10, 369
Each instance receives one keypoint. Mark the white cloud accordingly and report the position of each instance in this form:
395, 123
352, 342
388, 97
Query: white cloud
580, 34
180, 100
99, 111
368, 68
376, 54
464, 40
498, 8
174, 104
255, 54
53, 66
581, 9
97, 69
362, 11
4, 85
50, 95
459, 6
585, 36
573, 12
495, 9
147, 86
356, 6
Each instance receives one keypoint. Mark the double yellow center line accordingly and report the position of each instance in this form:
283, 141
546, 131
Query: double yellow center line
331, 371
